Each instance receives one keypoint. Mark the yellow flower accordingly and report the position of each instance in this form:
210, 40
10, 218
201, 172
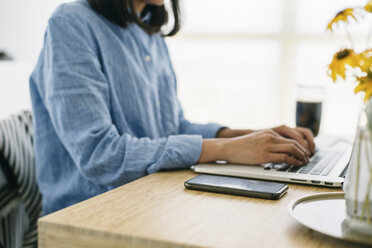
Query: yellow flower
340, 60
368, 7
365, 61
365, 84
342, 16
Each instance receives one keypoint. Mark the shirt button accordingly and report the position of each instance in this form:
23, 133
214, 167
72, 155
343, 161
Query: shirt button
147, 58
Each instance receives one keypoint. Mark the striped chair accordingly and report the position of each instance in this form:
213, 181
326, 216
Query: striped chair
20, 201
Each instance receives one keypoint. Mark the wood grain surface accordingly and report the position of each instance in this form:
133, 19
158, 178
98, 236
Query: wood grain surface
157, 211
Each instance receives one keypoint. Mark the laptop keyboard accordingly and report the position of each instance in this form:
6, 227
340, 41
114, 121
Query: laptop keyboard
321, 163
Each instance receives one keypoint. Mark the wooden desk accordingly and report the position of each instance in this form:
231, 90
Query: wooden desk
156, 211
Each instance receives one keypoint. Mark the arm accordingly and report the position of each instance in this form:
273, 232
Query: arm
231, 133
76, 94
255, 148
209, 130
281, 144
303, 136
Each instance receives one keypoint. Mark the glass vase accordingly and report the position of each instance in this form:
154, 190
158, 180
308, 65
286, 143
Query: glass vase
358, 181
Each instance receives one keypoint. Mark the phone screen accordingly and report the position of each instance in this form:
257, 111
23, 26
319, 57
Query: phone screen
237, 186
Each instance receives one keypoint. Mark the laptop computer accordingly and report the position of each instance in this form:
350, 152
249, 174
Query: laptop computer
327, 167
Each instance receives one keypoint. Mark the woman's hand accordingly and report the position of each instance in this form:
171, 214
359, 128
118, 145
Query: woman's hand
303, 136
255, 148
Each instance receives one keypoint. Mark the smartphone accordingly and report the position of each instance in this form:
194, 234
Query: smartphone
237, 186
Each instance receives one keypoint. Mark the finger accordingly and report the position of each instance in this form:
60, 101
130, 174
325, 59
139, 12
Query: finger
273, 133
309, 136
298, 136
284, 158
281, 140
290, 149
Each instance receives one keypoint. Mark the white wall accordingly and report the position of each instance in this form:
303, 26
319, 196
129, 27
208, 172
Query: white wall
22, 25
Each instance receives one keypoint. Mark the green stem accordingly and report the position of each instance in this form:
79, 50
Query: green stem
366, 206
357, 175
361, 216
367, 201
370, 178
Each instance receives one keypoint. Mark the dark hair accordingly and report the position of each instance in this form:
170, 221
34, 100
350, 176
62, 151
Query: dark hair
122, 12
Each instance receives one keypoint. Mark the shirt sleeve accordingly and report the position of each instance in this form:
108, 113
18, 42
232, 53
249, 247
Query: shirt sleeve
76, 95
208, 130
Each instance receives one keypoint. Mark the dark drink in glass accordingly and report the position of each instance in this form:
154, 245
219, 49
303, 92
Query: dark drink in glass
308, 114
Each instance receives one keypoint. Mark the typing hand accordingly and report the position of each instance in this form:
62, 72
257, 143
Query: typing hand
255, 148
303, 136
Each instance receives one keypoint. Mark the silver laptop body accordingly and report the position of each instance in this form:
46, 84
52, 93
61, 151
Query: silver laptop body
327, 168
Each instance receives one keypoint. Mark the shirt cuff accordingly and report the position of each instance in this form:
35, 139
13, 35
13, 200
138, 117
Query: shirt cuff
210, 130
181, 152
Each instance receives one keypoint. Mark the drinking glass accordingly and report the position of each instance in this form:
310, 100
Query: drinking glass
309, 101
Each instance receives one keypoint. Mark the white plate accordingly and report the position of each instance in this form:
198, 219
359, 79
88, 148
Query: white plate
326, 213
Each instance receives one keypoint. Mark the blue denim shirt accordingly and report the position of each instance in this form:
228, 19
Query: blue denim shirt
105, 108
